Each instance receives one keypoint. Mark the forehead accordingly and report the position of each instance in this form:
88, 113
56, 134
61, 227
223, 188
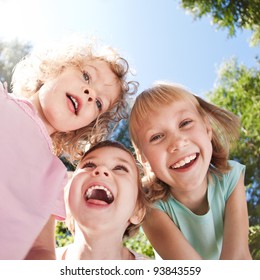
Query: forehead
102, 68
111, 154
164, 118
174, 109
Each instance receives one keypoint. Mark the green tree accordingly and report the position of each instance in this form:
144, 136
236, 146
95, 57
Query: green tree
237, 90
230, 15
11, 52
121, 134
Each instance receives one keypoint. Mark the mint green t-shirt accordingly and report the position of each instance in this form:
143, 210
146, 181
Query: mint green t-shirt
205, 232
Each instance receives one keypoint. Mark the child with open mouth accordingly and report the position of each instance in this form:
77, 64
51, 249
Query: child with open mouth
105, 203
199, 195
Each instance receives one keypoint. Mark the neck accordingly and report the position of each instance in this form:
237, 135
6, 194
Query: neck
196, 200
96, 246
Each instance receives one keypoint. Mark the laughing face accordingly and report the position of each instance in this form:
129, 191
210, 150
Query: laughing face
176, 141
77, 96
104, 189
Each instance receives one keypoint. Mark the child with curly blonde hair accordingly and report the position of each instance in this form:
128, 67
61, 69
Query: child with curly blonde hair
72, 94
199, 195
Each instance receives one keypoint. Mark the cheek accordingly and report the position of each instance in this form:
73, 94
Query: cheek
148, 153
43, 98
46, 91
208, 139
130, 195
89, 116
154, 158
210, 149
74, 194
71, 198
115, 95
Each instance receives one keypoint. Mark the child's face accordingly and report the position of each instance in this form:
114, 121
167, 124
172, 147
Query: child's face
77, 96
103, 192
176, 141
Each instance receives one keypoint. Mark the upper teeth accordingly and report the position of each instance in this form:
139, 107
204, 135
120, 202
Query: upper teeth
90, 190
75, 102
184, 161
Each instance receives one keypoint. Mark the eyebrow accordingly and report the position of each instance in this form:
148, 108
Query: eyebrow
92, 66
97, 71
115, 158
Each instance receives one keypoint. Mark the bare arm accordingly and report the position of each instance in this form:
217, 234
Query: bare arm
235, 241
44, 246
166, 238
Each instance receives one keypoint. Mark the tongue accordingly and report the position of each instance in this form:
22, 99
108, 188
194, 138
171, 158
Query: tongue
97, 202
99, 196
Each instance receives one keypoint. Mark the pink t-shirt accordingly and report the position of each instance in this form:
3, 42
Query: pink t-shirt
32, 178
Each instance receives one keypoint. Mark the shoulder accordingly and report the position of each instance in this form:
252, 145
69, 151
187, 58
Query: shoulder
229, 180
163, 204
236, 167
234, 174
170, 206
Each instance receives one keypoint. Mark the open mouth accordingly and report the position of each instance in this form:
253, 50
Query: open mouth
99, 193
74, 102
185, 163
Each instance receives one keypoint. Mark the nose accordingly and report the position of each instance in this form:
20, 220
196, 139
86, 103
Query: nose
101, 171
177, 142
89, 94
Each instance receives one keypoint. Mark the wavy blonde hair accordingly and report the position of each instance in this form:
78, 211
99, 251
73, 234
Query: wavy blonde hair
225, 128
40, 66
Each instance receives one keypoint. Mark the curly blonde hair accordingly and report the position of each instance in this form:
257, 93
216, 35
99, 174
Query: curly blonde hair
40, 66
225, 129
142, 203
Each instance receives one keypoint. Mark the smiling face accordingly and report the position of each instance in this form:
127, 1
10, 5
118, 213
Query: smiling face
104, 189
76, 97
176, 141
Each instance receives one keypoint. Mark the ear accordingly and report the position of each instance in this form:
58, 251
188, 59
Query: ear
137, 216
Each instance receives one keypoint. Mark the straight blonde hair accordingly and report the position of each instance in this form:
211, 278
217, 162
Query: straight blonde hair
225, 128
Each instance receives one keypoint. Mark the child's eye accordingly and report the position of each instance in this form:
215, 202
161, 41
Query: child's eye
99, 105
121, 167
86, 76
185, 123
156, 137
89, 164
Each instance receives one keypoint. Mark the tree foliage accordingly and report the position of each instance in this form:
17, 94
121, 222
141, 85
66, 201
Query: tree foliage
140, 244
229, 14
237, 90
121, 134
11, 52
254, 241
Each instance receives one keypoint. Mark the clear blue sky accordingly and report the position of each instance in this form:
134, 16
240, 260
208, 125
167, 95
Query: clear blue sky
158, 38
